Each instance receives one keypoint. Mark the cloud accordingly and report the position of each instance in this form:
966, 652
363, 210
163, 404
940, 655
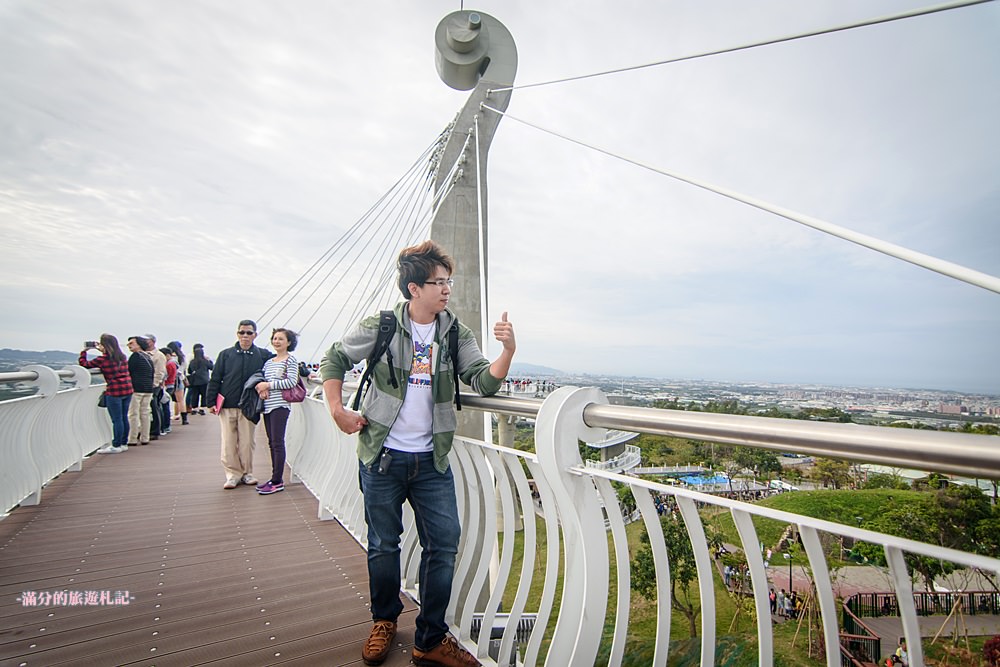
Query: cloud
177, 170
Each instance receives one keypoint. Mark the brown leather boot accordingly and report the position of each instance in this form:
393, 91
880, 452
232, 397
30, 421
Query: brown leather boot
376, 649
448, 653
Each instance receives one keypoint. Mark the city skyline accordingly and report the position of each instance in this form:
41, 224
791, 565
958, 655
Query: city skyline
174, 170
522, 370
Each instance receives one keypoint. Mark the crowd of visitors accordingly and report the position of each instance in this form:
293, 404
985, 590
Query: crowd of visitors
146, 389
151, 388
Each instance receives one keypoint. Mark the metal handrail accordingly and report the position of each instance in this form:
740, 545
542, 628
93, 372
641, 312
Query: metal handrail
31, 376
966, 454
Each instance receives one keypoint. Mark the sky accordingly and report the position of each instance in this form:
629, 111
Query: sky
174, 167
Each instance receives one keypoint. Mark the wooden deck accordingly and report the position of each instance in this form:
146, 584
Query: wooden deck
214, 577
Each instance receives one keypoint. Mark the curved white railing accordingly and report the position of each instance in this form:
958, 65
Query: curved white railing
48, 433
571, 538
495, 499
627, 460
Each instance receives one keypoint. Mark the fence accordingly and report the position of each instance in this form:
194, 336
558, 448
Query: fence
926, 603
49, 432
493, 487
43, 435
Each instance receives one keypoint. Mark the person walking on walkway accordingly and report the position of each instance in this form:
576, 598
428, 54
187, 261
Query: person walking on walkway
233, 368
405, 432
118, 390
280, 372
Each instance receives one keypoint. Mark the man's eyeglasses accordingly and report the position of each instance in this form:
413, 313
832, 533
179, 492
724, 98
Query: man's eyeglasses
245, 333
441, 282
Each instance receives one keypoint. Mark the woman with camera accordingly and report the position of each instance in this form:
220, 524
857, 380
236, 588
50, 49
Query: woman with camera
118, 394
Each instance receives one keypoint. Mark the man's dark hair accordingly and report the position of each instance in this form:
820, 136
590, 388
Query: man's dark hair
290, 336
141, 341
417, 263
247, 323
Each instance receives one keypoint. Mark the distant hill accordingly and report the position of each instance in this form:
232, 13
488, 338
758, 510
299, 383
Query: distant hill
46, 357
518, 368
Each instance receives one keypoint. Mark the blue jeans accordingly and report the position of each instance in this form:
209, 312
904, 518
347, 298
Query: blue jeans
411, 477
118, 411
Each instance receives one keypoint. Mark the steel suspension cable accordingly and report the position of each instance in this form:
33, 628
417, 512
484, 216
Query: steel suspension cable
958, 4
380, 256
327, 256
410, 227
944, 267
417, 231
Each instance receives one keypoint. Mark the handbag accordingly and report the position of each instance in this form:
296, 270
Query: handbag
296, 394
102, 402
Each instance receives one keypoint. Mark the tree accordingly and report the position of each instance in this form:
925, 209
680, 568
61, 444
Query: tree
832, 472
880, 480
958, 517
761, 461
683, 569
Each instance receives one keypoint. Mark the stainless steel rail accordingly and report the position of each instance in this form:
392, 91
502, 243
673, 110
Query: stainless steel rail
969, 455
30, 376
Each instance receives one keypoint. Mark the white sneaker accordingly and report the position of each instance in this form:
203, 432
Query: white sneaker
249, 479
110, 449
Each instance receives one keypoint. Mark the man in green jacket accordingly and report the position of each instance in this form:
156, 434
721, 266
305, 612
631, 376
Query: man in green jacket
405, 433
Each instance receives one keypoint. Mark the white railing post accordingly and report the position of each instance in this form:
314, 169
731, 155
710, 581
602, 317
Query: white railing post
47, 383
559, 427
758, 579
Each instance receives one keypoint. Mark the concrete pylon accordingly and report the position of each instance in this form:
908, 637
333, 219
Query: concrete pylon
473, 51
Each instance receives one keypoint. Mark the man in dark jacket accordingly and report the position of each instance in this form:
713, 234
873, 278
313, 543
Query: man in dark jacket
140, 370
232, 369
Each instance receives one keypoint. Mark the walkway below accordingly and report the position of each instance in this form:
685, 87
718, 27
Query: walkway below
213, 577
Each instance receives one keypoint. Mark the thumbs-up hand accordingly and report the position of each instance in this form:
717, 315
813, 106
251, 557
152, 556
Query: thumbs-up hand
504, 332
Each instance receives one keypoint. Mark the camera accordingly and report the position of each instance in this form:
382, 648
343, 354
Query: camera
90, 344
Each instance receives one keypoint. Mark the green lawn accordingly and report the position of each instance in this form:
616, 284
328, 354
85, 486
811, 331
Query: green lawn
736, 644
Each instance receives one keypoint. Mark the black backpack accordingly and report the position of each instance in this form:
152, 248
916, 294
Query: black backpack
386, 328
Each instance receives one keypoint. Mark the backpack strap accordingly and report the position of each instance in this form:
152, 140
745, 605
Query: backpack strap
453, 353
386, 329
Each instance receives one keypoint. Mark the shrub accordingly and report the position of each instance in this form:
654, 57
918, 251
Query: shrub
991, 651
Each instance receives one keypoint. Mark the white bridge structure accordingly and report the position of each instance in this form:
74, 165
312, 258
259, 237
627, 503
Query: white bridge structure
587, 619
53, 430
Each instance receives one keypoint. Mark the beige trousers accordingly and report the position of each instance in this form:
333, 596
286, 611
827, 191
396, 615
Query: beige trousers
138, 418
237, 443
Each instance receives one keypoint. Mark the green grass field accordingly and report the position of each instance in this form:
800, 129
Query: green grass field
736, 644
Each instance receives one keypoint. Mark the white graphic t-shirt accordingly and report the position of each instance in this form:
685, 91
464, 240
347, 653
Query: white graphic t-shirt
411, 432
